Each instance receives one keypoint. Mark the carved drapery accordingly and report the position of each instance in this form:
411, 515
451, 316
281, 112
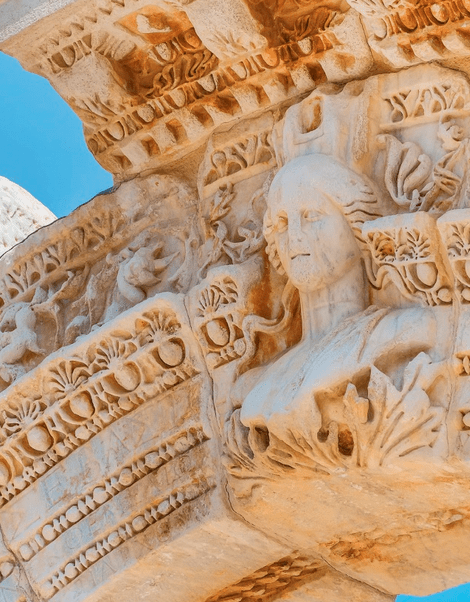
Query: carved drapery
243, 372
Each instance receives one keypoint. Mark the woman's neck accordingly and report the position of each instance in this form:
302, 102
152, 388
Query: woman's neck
324, 309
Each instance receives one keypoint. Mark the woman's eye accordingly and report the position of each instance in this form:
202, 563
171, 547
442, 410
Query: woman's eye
281, 223
311, 216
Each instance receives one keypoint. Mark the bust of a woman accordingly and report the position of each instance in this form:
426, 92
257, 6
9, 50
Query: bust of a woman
298, 409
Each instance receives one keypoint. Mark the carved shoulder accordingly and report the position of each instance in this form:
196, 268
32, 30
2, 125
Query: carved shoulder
402, 333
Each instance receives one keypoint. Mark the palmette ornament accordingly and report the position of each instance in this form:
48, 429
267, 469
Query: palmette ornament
243, 373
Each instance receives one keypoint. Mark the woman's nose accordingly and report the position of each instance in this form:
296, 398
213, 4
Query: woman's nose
296, 240
295, 231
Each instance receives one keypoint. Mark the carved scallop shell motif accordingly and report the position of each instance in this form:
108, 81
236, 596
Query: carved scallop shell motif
19, 417
216, 295
112, 354
154, 327
67, 376
160, 328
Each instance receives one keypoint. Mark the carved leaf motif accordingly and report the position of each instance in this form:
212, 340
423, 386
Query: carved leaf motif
407, 169
415, 246
384, 246
220, 206
259, 452
398, 422
103, 227
186, 68
242, 154
230, 45
218, 247
307, 25
96, 112
458, 244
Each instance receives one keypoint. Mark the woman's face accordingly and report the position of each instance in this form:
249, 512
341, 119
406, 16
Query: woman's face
313, 238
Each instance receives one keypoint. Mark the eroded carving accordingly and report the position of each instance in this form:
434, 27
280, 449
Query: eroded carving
271, 580
345, 428
257, 340
88, 391
101, 493
18, 338
416, 184
148, 516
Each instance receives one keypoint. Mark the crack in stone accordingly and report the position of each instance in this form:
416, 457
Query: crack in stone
26, 588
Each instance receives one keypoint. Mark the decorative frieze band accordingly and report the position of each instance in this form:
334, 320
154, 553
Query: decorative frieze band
272, 580
122, 479
141, 521
118, 370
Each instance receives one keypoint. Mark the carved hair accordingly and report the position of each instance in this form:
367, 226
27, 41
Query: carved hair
353, 194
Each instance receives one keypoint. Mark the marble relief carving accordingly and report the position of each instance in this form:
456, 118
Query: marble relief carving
243, 373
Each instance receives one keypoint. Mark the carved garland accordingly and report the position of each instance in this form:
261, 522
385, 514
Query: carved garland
52, 262
86, 393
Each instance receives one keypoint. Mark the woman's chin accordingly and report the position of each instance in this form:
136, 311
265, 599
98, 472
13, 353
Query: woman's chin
306, 282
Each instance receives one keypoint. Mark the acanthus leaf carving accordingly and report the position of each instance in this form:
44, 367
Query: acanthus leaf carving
378, 430
391, 423
416, 184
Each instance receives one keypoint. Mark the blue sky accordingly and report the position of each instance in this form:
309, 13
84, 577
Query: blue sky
457, 594
42, 149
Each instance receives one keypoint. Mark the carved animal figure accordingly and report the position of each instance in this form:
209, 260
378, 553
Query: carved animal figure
140, 269
17, 338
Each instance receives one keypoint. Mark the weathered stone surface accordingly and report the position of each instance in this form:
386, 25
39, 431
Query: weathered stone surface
20, 214
243, 372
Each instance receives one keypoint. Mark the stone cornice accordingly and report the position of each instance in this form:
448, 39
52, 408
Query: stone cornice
154, 94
